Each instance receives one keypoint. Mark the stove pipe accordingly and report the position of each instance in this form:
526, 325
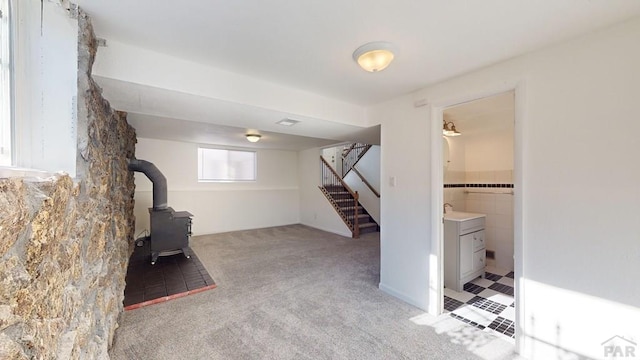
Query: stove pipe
156, 177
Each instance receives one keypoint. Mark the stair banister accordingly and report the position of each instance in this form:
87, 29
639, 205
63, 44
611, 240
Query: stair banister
331, 180
356, 221
338, 177
351, 156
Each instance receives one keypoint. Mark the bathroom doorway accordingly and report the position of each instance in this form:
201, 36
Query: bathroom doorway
477, 237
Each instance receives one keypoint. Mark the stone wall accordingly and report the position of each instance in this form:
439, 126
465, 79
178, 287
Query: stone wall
65, 243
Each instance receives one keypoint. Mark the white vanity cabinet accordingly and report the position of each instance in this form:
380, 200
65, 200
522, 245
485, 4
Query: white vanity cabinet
464, 248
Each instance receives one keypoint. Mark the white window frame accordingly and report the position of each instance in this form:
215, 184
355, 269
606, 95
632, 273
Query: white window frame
7, 141
44, 45
228, 178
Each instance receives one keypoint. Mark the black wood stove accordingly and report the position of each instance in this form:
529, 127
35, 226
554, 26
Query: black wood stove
170, 230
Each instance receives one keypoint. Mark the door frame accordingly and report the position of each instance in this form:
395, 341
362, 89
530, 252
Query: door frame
436, 263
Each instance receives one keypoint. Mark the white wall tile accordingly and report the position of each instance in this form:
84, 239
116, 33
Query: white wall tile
504, 248
491, 220
490, 238
474, 206
459, 195
447, 195
504, 204
488, 204
458, 205
473, 196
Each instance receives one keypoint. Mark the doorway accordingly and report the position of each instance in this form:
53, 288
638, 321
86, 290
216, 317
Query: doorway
477, 179
478, 212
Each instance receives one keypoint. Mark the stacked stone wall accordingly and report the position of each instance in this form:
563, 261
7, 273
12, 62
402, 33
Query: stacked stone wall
65, 242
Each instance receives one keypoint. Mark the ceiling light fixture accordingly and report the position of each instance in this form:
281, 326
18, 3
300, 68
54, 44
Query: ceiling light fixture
287, 122
449, 129
253, 137
374, 56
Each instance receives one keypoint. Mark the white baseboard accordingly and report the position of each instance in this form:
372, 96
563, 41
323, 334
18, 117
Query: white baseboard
404, 297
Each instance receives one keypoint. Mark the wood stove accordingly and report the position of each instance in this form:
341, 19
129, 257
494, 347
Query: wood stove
170, 230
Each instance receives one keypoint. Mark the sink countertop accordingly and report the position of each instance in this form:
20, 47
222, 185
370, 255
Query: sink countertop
461, 216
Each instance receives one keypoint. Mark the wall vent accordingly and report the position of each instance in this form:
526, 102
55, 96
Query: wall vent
491, 254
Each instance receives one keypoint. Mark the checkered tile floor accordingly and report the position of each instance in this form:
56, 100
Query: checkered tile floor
487, 304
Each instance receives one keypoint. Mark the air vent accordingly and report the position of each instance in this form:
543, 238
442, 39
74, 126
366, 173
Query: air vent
491, 254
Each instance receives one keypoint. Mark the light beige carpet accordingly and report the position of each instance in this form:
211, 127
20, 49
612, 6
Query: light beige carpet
294, 292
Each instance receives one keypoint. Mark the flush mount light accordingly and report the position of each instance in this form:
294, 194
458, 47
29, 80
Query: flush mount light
253, 137
374, 56
449, 129
287, 122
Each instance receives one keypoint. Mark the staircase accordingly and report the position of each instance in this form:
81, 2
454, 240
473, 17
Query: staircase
351, 155
345, 202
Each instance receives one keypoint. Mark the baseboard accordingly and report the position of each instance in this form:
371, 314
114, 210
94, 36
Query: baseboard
404, 297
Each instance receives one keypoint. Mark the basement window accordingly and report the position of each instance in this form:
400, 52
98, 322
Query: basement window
6, 93
224, 165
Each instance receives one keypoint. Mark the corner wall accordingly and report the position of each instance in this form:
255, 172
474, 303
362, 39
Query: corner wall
65, 242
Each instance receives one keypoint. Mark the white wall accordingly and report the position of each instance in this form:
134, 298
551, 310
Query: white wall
46, 48
489, 151
369, 166
333, 156
405, 209
272, 200
577, 180
315, 209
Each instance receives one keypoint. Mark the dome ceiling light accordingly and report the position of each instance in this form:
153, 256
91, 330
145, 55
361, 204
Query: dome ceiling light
374, 56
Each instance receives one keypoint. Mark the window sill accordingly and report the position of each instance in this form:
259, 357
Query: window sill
14, 172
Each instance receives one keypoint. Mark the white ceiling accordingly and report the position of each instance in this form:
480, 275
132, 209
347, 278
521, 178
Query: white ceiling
308, 44
155, 127
170, 115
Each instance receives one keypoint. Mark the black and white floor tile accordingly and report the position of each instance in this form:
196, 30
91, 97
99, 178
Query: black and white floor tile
487, 304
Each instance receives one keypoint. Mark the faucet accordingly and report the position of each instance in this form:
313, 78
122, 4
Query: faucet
444, 207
